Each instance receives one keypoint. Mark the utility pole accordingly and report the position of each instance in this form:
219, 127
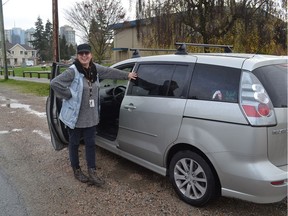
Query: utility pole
56, 57
4, 57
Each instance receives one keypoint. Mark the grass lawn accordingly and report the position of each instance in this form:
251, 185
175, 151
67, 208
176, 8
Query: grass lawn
39, 89
19, 70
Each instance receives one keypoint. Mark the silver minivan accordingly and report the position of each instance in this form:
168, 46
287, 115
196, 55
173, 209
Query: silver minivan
216, 124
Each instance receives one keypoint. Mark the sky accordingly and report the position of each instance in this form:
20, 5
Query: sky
24, 13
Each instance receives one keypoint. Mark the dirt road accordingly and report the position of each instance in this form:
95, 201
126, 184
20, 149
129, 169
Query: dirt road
45, 184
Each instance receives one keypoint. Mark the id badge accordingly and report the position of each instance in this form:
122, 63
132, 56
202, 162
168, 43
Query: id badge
91, 103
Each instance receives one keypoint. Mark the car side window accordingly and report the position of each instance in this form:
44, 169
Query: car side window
218, 83
159, 80
126, 67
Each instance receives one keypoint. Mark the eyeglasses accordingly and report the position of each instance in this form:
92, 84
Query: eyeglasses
83, 53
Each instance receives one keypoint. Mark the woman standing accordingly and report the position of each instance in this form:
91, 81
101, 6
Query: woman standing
79, 86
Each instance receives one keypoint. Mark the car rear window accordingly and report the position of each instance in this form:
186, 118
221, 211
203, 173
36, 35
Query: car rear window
215, 83
274, 80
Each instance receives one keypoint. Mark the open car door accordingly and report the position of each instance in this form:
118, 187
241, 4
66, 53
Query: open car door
58, 132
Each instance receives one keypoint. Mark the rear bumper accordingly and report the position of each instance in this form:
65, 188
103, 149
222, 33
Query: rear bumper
251, 180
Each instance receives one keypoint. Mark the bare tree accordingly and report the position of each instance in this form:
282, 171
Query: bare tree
94, 19
213, 19
206, 21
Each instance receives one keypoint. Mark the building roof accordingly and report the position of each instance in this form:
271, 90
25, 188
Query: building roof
9, 46
128, 24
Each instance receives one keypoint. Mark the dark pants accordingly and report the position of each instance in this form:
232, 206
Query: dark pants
90, 148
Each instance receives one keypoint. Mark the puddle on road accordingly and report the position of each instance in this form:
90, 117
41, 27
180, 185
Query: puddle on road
42, 134
14, 104
7, 132
16, 130
39, 132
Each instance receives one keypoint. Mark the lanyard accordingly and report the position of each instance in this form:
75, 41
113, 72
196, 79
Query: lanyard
89, 80
90, 87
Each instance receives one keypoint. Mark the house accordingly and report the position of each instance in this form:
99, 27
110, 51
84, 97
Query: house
19, 55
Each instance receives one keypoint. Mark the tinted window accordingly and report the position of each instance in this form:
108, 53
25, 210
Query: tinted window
159, 80
177, 84
210, 82
125, 67
274, 80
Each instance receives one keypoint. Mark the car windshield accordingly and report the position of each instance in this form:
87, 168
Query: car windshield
274, 79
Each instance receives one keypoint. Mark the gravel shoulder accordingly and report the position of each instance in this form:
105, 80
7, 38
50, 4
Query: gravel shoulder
45, 184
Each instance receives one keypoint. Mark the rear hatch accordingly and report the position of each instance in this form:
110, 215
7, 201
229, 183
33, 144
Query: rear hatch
274, 80
277, 139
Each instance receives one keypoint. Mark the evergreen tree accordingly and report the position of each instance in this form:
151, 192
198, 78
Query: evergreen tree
38, 37
43, 40
66, 50
71, 51
62, 44
48, 38
63, 49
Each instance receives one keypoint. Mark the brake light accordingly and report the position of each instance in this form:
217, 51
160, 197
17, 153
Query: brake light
276, 183
250, 111
255, 102
263, 110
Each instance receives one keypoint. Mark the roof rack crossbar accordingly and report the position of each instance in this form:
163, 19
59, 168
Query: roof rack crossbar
148, 49
136, 53
227, 48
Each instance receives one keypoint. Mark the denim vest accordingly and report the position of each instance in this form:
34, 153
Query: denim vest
70, 108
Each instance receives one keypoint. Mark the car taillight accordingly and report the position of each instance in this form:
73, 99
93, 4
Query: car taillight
278, 183
264, 110
255, 102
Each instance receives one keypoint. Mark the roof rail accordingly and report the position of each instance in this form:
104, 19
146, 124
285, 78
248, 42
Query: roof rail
227, 48
136, 53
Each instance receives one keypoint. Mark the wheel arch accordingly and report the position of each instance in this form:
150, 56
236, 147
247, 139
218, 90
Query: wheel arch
185, 147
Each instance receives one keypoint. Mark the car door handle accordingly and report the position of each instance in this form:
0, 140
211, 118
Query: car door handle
130, 107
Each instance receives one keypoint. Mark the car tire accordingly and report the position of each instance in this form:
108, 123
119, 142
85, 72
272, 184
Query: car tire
196, 189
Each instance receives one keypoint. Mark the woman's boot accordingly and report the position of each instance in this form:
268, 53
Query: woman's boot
94, 179
79, 175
